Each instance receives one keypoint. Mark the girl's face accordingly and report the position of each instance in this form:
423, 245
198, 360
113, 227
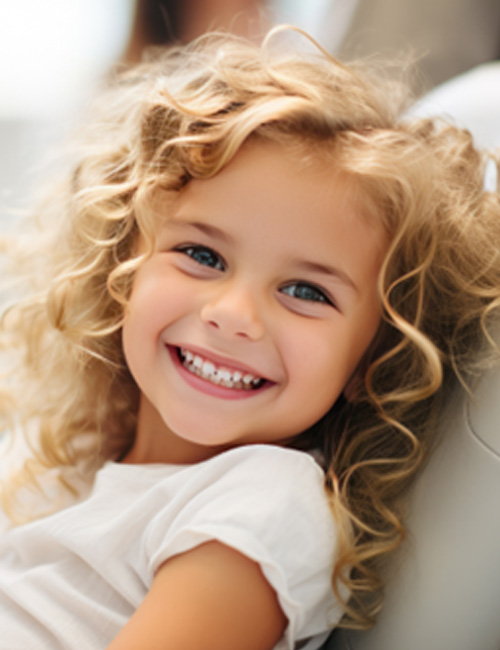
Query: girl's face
252, 314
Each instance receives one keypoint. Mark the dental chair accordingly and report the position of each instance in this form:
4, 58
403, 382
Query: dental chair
445, 593
444, 590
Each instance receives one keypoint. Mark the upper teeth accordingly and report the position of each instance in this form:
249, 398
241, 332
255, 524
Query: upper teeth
218, 375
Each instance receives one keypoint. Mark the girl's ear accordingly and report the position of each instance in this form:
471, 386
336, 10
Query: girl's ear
354, 385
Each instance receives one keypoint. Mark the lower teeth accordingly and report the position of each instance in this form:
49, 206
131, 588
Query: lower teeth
238, 385
227, 384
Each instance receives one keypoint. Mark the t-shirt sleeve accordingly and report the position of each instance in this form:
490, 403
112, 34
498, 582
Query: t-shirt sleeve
269, 504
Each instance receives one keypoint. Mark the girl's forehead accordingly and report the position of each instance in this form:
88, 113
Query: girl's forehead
271, 178
286, 161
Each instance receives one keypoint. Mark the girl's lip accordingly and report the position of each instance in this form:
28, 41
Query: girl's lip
221, 361
208, 387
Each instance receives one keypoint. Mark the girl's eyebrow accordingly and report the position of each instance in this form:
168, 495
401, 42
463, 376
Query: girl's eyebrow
325, 269
201, 226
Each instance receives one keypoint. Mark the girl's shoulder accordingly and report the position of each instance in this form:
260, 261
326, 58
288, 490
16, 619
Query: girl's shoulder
268, 502
274, 466
265, 474
258, 465
252, 497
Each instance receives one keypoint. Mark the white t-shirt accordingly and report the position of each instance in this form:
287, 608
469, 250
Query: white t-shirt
74, 578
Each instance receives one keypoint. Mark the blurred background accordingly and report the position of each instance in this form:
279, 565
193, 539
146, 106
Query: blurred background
54, 53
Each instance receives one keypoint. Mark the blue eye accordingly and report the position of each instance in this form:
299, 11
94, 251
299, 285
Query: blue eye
307, 292
203, 256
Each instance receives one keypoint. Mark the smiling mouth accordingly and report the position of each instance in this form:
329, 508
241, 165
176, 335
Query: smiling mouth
218, 375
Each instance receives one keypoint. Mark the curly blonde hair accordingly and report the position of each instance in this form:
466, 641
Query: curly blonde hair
184, 114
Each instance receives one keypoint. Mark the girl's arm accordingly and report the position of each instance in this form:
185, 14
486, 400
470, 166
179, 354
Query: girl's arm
212, 598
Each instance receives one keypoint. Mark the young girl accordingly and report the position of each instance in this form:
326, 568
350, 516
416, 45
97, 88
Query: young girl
249, 298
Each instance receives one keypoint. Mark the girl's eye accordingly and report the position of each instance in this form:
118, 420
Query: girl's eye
308, 292
203, 256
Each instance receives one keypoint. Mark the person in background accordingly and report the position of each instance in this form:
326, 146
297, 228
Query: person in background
158, 22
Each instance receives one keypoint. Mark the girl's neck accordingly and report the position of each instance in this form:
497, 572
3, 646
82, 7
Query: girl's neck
167, 448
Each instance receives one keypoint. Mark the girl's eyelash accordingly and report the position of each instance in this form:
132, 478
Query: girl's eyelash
202, 255
307, 292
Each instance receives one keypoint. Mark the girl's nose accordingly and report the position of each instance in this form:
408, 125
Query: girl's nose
234, 313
